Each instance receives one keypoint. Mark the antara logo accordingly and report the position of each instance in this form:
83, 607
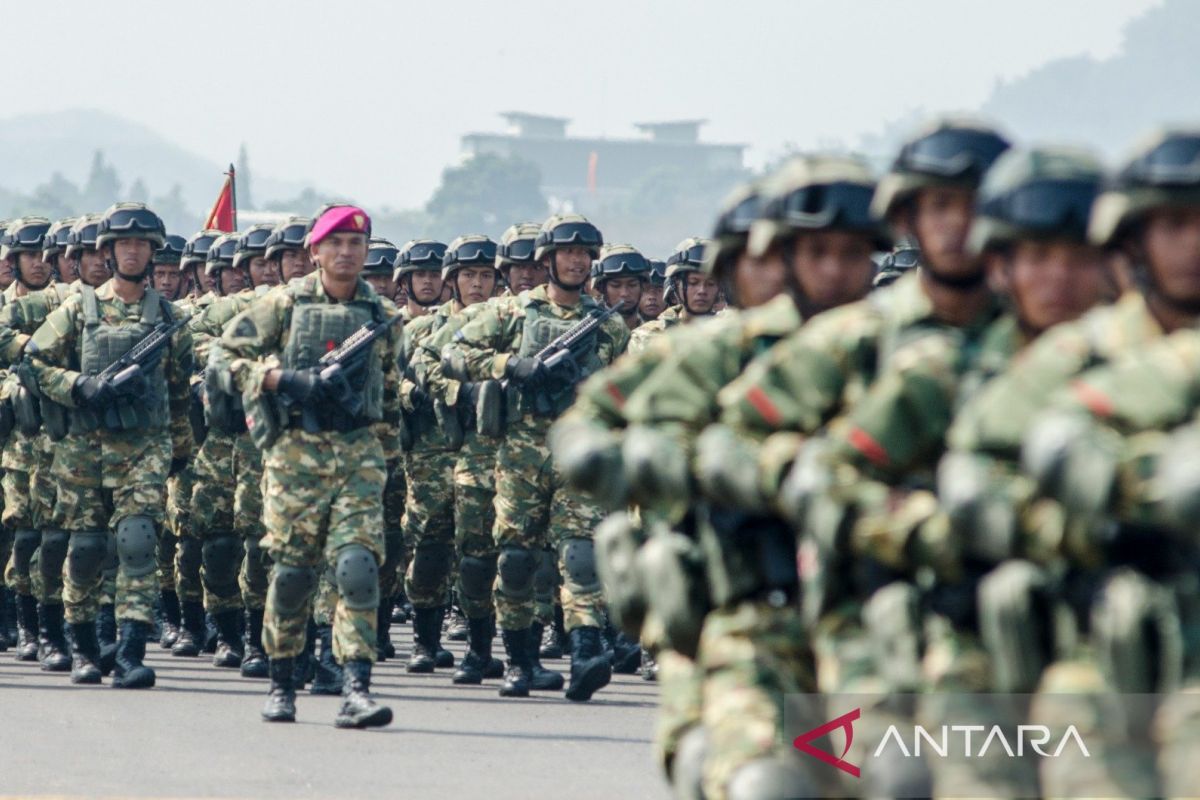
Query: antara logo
846, 723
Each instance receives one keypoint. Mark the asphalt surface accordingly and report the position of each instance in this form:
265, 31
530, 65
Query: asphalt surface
198, 734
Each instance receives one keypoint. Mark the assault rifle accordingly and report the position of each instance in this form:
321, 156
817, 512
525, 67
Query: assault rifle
336, 367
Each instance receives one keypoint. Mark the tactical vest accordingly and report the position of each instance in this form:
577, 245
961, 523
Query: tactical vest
319, 327
101, 345
540, 329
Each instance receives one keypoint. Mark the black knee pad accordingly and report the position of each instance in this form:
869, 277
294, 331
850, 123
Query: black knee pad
430, 565
476, 576
54, 552
221, 555
579, 564
291, 587
85, 555
190, 555
516, 566
137, 543
357, 576
25, 542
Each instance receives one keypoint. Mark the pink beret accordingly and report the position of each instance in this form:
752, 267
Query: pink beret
340, 219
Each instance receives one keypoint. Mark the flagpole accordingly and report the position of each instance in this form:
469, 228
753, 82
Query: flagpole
233, 195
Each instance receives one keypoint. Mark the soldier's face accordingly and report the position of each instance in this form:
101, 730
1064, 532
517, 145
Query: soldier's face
232, 280
626, 291
383, 285
341, 255
7, 275
207, 282
574, 265
68, 268
651, 304
941, 221
263, 272
34, 270
1171, 244
132, 255
294, 264
168, 280
523, 277
1054, 282
425, 285
475, 284
92, 269
700, 291
832, 267
757, 280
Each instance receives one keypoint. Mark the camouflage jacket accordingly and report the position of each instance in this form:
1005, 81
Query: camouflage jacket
641, 336
21, 316
54, 363
418, 410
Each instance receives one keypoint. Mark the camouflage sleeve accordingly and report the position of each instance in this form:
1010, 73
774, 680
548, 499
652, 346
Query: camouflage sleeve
12, 340
427, 361
50, 350
206, 327
388, 431
487, 342
250, 343
179, 370
601, 398
406, 383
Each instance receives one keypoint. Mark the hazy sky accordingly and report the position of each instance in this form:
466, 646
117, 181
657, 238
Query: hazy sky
370, 98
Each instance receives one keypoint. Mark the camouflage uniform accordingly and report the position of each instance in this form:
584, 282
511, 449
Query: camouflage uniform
640, 337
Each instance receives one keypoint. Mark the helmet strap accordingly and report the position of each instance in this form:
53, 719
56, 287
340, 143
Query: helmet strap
577, 287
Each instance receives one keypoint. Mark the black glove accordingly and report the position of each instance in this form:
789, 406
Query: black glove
177, 465
90, 391
520, 369
301, 385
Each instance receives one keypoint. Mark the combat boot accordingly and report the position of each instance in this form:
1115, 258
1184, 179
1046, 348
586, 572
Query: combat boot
27, 626
211, 635
85, 659
171, 619
229, 640
478, 663
442, 658
191, 631
359, 709
456, 629
305, 668
129, 672
649, 667
626, 653
254, 662
328, 679
402, 610
383, 636
52, 651
520, 663
590, 668
8, 603
550, 646
427, 629
106, 634
281, 698
542, 679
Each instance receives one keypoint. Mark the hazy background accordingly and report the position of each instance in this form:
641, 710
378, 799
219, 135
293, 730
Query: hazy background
369, 100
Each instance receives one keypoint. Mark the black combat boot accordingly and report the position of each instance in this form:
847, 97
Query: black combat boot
171, 619
478, 663
85, 659
549, 644
254, 660
520, 663
130, 673
427, 630
359, 709
8, 604
649, 667
626, 653
305, 664
590, 668
211, 635
542, 680
27, 627
229, 640
442, 658
106, 634
281, 698
402, 610
52, 650
191, 630
328, 679
383, 636
456, 628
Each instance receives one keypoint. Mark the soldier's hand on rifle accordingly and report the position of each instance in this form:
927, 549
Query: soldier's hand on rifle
522, 369
91, 391
301, 385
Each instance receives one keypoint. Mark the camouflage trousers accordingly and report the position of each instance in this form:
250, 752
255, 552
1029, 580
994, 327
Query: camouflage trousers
535, 509
475, 514
212, 515
103, 477
254, 573
396, 562
751, 656
29, 496
680, 685
429, 525
179, 524
321, 492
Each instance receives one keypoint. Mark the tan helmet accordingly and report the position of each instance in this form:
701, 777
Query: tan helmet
195, 252
287, 235
130, 221
221, 253
252, 242
55, 240
469, 250
516, 245
23, 235
620, 261
732, 230
82, 236
419, 254
567, 230
381, 257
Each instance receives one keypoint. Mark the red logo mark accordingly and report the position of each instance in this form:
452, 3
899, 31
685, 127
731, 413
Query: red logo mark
845, 721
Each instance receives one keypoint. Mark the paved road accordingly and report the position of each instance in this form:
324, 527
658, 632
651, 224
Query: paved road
197, 734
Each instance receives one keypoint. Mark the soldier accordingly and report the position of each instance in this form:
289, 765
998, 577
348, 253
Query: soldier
533, 507
324, 466
123, 439
419, 275
285, 247
518, 268
622, 276
54, 250
693, 291
652, 304
169, 278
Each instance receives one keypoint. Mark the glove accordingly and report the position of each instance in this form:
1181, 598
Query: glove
90, 391
177, 466
301, 385
522, 369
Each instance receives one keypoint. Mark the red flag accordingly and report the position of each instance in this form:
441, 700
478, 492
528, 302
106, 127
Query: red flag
223, 216
593, 163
